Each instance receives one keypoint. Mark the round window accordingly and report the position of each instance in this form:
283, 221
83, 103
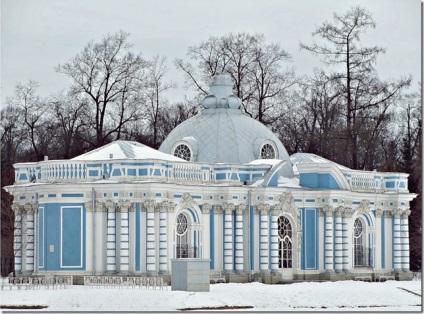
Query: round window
183, 151
267, 152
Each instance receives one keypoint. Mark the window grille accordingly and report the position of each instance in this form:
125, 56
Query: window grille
183, 151
285, 247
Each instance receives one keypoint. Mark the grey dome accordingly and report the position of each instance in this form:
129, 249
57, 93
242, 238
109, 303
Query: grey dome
222, 133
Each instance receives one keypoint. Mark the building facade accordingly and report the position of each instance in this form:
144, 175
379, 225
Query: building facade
220, 187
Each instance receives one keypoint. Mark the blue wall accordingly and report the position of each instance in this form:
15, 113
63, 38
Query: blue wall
309, 219
318, 181
64, 228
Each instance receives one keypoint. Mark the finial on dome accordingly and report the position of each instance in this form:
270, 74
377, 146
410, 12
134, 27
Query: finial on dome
221, 94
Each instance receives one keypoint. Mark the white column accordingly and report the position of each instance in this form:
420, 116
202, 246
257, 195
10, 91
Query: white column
405, 239
29, 239
397, 241
328, 247
111, 238
218, 232
338, 241
274, 238
170, 234
206, 208
378, 237
163, 235
124, 237
239, 252
263, 238
17, 243
228, 237
150, 237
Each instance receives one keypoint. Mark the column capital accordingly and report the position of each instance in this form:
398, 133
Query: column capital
100, 206
339, 211
347, 212
149, 205
206, 208
241, 208
263, 208
16, 208
387, 213
218, 209
406, 213
397, 212
275, 211
228, 207
111, 206
327, 209
378, 213
124, 205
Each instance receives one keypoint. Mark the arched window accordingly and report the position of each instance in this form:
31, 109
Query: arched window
182, 236
362, 253
285, 246
183, 151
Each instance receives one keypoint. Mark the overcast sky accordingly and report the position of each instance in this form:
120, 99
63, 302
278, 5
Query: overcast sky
37, 35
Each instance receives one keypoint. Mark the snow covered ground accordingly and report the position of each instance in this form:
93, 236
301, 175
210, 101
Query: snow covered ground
305, 296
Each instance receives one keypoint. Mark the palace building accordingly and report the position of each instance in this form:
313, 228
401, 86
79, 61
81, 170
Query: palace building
221, 187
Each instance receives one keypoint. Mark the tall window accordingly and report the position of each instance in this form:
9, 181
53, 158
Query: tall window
362, 254
285, 246
182, 234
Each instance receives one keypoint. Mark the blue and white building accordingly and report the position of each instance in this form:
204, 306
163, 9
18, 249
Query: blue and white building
221, 187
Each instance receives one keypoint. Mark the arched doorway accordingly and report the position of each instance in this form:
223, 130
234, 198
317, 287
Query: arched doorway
285, 243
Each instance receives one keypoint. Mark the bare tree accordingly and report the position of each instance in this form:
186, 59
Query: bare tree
157, 85
254, 66
111, 77
359, 83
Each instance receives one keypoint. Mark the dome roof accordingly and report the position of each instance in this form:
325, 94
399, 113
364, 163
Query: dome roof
222, 133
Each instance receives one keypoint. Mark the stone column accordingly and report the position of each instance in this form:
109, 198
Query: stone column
328, 240
263, 238
170, 235
228, 238
163, 237
206, 209
150, 237
218, 231
388, 222
17, 243
111, 238
274, 238
378, 241
29, 239
124, 237
239, 253
338, 241
405, 239
397, 240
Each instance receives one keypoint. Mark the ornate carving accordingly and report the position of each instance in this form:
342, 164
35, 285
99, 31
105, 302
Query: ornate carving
363, 207
88, 206
406, 213
29, 208
16, 208
228, 207
241, 208
218, 209
397, 212
378, 213
286, 199
206, 208
347, 212
149, 205
187, 201
124, 205
111, 206
100, 206
388, 213
328, 210
339, 211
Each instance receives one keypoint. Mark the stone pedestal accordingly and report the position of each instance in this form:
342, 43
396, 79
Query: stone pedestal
190, 274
